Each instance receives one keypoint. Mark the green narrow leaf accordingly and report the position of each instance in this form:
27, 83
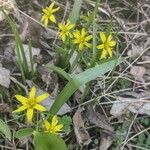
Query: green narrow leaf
59, 71
5, 129
75, 13
81, 79
22, 133
48, 141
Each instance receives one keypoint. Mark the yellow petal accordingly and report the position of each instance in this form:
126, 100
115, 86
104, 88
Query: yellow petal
60, 26
47, 124
109, 52
83, 32
21, 99
52, 18
54, 121
88, 38
21, 108
109, 38
56, 9
112, 43
51, 5
39, 107
87, 44
58, 127
104, 53
41, 97
32, 92
81, 46
29, 115
101, 46
103, 37
76, 34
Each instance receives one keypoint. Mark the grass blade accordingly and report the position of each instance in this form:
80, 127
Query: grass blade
75, 13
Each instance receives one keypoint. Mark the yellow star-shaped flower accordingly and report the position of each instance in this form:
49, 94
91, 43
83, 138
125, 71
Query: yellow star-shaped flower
82, 39
48, 14
65, 30
30, 103
53, 127
106, 46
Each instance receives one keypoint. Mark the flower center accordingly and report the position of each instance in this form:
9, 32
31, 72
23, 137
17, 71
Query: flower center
32, 102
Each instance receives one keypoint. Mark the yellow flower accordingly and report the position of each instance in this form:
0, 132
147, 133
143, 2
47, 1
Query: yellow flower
48, 14
53, 127
65, 30
82, 39
30, 103
106, 46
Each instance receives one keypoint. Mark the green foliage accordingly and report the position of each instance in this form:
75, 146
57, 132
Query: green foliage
119, 136
4, 129
81, 79
67, 122
20, 53
145, 121
74, 15
143, 141
22, 133
48, 141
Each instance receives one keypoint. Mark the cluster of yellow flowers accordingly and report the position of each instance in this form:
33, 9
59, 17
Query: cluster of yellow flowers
32, 102
80, 37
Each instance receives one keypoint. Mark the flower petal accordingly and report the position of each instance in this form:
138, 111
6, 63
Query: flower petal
40, 107
47, 124
104, 53
103, 37
87, 38
21, 108
56, 9
21, 99
87, 44
112, 43
101, 46
29, 115
109, 38
41, 97
83, 32
58, 128
81, 46
52, 18
54, 121
51, 5
32, 92
109, 52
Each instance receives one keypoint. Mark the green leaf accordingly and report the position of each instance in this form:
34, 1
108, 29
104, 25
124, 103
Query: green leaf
22, 133
74, 15
59, 71
141, 138
5, 129
48, 141
67, 122
81, 79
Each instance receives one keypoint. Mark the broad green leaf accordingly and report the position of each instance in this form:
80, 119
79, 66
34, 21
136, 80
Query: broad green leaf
81, 79
5, 129
48, 141
22, 133
74, 15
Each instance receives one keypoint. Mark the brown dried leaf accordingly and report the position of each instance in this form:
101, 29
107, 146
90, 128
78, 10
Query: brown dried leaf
98, 119
138, 72
81, 133
7, 5
4, 77
106, 141
135, 105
